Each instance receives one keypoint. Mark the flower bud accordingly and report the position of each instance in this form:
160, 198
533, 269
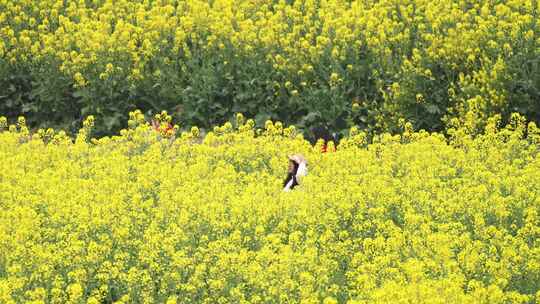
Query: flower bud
195, 132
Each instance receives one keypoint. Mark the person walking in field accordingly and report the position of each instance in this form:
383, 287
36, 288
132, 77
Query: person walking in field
297, 170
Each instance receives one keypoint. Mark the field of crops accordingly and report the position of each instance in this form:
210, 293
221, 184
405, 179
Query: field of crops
96, 208
146, 218
305, 62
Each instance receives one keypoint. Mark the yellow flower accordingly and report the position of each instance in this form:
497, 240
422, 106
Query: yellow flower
79, 80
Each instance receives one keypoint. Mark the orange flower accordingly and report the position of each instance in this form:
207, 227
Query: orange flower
167, 130
325, 149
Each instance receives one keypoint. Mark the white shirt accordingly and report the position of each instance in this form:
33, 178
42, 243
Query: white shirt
301, 172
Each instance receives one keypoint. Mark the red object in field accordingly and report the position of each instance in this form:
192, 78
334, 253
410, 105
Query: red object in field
157, 127
325, 149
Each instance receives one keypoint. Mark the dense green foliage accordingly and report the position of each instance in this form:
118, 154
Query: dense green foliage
308, 62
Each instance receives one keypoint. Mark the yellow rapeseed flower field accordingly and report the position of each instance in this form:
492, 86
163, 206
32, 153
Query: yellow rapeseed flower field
166, 217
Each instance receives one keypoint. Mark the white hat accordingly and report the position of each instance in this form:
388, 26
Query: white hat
298, 158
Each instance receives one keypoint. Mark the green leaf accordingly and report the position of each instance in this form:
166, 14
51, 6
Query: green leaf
432, 109
86, 110
79, 94
261, 118
311, 117
111, 121
29, 107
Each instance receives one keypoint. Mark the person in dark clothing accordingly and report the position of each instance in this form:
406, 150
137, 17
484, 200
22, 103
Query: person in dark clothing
322, 132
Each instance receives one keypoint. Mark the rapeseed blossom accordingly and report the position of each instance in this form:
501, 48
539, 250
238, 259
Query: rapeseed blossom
140, 217
321, 44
